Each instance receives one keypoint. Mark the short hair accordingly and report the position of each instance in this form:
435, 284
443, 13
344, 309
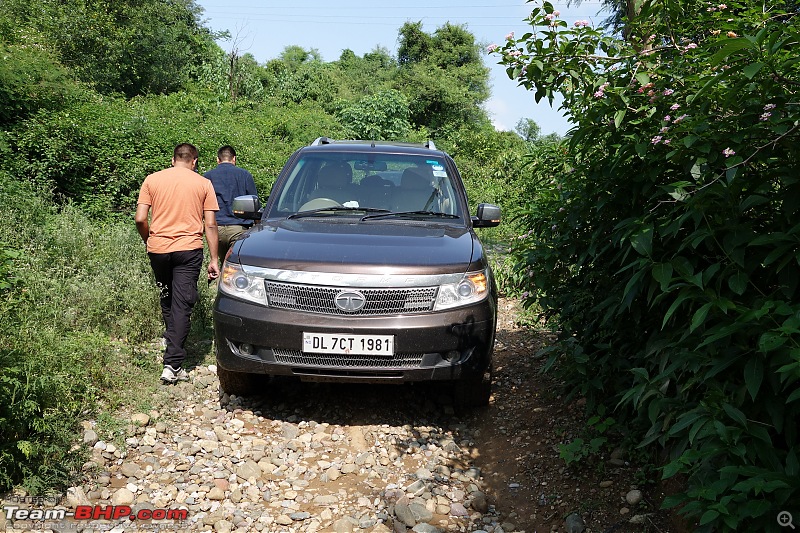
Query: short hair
226, 153
185, 152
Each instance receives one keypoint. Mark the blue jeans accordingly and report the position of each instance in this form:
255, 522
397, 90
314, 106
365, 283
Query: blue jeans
176, 275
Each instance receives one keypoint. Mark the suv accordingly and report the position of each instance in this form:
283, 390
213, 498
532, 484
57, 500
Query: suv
363, 267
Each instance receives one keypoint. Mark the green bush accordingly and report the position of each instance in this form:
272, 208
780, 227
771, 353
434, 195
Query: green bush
664, 247
98, 154
71, 290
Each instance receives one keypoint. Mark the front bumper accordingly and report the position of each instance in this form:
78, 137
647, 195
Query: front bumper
437, 346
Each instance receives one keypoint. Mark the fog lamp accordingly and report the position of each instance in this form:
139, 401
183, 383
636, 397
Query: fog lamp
452, 356
246, 349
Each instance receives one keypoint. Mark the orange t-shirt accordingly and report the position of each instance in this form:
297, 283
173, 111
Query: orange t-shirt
177, 198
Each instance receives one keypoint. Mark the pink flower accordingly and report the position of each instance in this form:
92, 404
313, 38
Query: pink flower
667, 141
581, 23
667, 118
732, 34
727, 152
656, 139
668, 92
674, 107
680, 118
722, 6
510, 36
549, 16
691, 46
769, 107
491, 48
557, 12
765, 116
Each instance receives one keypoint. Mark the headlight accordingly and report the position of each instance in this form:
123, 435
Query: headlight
238, 283
473, 287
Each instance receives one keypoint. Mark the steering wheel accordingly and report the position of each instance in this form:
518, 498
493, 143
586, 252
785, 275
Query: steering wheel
319, 203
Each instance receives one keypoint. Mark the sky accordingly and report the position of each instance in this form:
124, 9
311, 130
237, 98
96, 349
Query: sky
264, 28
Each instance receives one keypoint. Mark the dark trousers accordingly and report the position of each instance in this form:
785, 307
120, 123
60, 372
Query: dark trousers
176, 275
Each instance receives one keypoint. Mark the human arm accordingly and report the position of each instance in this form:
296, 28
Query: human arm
142, 223
212, 238
250, 185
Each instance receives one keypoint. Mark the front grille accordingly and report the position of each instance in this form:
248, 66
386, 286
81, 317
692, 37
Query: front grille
316, 299
400, 360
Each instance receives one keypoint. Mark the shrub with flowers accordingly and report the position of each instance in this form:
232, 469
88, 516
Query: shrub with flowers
666, 251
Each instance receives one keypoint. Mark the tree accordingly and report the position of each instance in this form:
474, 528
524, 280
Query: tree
528, 129
382, 116
443, 75
415, 44
294, 55
663, 239
131, 47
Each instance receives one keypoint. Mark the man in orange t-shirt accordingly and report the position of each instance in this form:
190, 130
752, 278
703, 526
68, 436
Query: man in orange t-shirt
181, 204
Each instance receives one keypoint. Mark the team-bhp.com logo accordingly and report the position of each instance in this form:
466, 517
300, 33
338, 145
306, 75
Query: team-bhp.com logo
95, 512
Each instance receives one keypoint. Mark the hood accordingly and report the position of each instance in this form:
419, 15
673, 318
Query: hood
348, 245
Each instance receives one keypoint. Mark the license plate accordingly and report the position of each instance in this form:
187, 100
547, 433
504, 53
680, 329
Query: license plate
346, 344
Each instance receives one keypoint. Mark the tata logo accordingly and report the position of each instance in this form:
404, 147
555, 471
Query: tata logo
350, 301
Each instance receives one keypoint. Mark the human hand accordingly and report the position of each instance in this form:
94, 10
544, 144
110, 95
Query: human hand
213, 271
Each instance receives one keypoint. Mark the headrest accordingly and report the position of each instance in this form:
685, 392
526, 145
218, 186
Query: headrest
415, 178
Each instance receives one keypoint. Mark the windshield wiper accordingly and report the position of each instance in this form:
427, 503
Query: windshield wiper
410, 214
315, 212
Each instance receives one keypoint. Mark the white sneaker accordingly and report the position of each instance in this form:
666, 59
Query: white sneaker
171, 375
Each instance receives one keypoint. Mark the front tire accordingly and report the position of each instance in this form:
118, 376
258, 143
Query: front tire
238, 383
473, 392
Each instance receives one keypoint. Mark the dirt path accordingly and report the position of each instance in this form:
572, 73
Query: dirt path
350, 458
519, 435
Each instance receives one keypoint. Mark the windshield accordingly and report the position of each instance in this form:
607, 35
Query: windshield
322, 184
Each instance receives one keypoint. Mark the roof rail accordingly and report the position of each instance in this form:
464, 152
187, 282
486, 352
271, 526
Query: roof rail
321, 140
429, 144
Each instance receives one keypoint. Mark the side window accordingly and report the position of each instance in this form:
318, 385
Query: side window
297, 186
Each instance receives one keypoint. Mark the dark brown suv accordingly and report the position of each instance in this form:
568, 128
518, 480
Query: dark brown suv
363, 267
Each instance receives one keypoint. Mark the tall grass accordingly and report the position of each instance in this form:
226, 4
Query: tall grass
72, 292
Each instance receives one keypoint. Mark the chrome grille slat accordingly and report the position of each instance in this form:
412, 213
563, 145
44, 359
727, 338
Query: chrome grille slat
295, 357
319, 299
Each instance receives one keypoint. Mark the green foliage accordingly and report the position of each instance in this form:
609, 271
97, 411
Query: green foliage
31, 79
99, 153
69, 287
579, 449
664, 243
128, 47
443, 76
383, 116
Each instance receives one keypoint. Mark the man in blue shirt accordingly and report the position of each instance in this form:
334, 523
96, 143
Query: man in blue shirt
229, 181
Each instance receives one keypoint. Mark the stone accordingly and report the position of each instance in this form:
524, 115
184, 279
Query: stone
633, 497
140, 419
122, 496
479, 502
574, 523
90, 437
216, 493
76, 496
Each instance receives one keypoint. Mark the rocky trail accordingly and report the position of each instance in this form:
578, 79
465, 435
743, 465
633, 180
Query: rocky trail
345, 458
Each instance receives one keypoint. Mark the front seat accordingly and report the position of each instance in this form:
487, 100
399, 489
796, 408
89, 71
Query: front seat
334, 181
416, 190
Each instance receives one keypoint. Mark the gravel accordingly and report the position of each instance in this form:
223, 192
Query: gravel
354, 458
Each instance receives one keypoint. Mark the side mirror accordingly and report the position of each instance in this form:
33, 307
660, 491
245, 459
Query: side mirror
247, 207
488, 216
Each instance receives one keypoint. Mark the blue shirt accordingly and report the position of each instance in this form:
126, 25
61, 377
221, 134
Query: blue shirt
230, 181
